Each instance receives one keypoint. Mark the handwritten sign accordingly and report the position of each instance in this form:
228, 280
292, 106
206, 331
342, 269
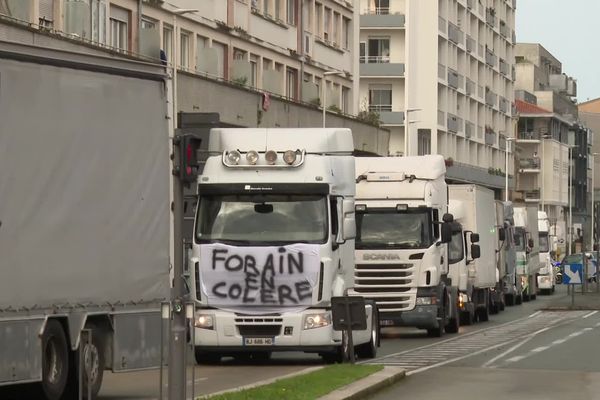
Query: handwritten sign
259, 279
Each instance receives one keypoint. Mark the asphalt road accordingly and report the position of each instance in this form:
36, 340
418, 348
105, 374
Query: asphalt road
546, 355
209, 379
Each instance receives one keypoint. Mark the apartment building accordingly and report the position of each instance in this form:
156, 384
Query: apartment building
589, 114
286, 58
552, 144
439, 73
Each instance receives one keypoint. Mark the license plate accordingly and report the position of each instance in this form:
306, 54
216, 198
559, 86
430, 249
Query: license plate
386, 322
258, 341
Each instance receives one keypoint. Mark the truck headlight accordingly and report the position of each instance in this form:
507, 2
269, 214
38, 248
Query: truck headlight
204, 321
312, 321
426, 301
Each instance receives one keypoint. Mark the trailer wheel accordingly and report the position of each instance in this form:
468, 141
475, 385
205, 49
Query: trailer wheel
55, 361
93, 361
510, 300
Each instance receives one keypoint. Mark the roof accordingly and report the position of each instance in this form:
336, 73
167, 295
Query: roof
527, 108
423, 167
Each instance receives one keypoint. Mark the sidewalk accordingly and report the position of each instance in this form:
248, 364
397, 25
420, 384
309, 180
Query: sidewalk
589, 300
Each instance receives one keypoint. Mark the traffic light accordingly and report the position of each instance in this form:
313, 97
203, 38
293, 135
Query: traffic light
189, 160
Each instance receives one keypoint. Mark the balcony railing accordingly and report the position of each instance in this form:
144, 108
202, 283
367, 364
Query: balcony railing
532, 195
469, 129
490, 58
529, 163
470, 44
502, 142
490, 138
453, 123
529, 135
378, 10
380, 107
374, 59
455, 34
441, 71
503, 105
504, 67
491, 98
490, 16
442, 26
470, 87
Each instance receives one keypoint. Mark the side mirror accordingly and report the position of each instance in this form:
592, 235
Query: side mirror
448, 217
475, 251
474, 237
446, 232
349, 220
501, 234
530, 243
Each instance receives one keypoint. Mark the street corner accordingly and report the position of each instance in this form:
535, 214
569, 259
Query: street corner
368, 385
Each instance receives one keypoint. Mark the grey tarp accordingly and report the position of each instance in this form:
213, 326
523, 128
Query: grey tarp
84, 187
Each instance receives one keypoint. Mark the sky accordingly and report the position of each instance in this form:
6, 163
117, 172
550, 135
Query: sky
570, 30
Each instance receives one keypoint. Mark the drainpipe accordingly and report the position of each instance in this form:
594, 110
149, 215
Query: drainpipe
139, 35
300, 23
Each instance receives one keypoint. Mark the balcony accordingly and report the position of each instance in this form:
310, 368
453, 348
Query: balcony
454, 79
382, 20
442, 25
455, 34
490, 137
470, 87
378, 11
504, 31
441, 118
491, 98
490, 16
376, 67
379, 108
503, 105
453, 123
470, 4
529, 164
502, 142
441, 71
469, 129
471, 44
531, 196
490, 57
529, 136
504, 67
391, 118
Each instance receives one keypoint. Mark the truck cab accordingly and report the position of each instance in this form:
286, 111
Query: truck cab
527, 250
545, 278
401, 251
274, 242
511, 286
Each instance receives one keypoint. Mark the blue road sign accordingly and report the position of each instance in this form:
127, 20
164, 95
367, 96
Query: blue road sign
573, 274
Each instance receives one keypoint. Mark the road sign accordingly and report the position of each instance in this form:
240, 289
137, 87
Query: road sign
573, 274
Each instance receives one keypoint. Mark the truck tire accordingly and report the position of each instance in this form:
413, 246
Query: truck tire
339, 355
483, 314
467, 318
369, 349
453, 324
439, 331
509, 299
519, 300
93, 356
55, 361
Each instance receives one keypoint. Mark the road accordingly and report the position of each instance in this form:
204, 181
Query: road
210, 379
545, 355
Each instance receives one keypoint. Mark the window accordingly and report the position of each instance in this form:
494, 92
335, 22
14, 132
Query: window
381, 7
119, 28
379, 50
346, 29
319, 20
266, 7
221, 62
345, 100
98, 19
335, 37
184, 50
278, 9
327, 26
423, 142
391, 229
292, 83
147, 23
167, 42
380, 98
363, 52
253, 70
291, 13
46, 17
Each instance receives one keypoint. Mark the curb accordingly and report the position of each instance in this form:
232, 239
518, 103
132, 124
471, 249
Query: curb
367, 385
569, 308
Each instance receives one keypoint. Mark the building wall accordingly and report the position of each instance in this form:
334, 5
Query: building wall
592, 121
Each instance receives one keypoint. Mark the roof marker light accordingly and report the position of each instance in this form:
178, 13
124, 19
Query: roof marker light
233, 157
252, 157
271, 157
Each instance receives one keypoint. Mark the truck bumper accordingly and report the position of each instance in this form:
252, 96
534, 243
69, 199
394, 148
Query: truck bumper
545, 282
422, 317
265, 333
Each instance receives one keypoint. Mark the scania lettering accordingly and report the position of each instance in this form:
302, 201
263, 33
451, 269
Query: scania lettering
274, 242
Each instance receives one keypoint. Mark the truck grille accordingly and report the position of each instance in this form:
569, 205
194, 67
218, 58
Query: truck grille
385, 284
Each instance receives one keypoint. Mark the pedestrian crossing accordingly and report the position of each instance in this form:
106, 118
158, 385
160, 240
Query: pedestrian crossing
470, 344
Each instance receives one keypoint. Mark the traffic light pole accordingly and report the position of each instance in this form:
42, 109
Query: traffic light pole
177, 343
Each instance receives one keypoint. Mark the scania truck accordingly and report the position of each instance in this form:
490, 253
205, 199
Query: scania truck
527, 250
401, 242
509, 284
545, 277
473, 208
274, 243
84, 218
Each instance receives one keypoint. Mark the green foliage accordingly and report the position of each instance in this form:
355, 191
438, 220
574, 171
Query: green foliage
334, 108
305, 387
240, 80
316, 101
369, 117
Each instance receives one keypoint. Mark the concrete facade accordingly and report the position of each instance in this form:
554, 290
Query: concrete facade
440, 75
231, 52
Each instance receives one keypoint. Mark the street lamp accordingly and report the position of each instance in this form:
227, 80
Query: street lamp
542, 167
324, 83
508, 140
407, 129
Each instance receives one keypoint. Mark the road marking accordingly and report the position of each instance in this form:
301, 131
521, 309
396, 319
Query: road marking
597, 325
515, 359
540, 349
507, 352
559, 341
589, 315
575, 334
534, 314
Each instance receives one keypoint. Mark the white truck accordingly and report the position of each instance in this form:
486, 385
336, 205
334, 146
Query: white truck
510, 285
274, 242
545, 277
401, 250
473, 208
84, 218
527, 250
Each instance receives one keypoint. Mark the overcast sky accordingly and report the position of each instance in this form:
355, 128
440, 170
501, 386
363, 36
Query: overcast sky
570, 30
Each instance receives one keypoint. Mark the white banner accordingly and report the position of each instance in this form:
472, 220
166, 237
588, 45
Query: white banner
258, 280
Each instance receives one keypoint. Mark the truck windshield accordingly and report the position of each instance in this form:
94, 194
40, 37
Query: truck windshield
264, 219
392, 229
544, 247
519, 237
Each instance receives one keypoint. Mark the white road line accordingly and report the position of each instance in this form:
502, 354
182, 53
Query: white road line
515, 358
504, 354
540, 349
559, 341
589, 315
534, 314
574, 334
597, 325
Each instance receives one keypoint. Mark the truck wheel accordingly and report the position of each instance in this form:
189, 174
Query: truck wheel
339, 355
509, 299
206, 357
519, 300
453, 324
369, 350
483, 314
439, 331
55, 361
467, 318
93, 362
